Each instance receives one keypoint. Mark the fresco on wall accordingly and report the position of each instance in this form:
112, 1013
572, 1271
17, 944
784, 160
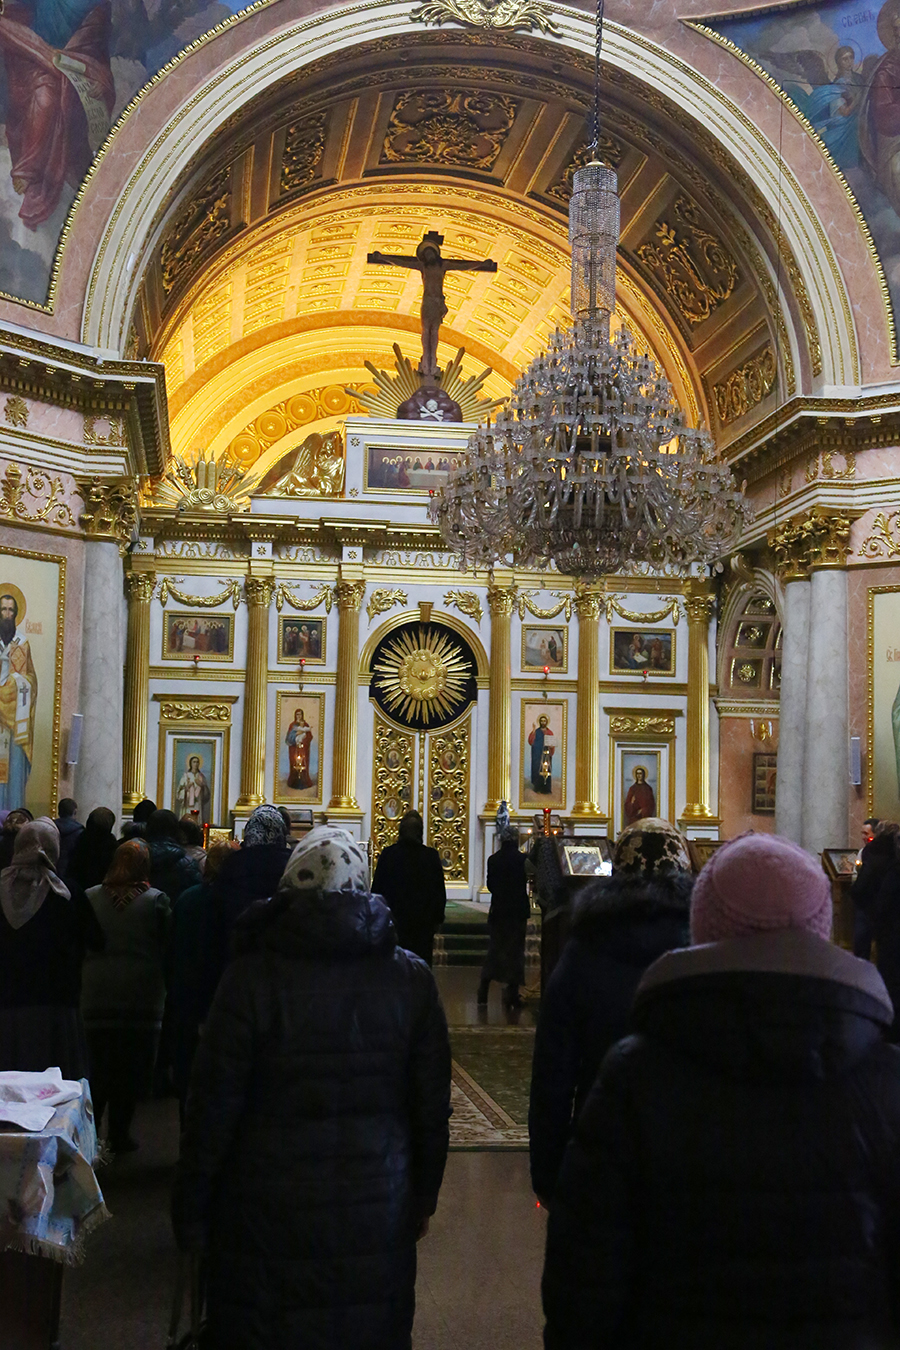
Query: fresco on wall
68, 68
839, 62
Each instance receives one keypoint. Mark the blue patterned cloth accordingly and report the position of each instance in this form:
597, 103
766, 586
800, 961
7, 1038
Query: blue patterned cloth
49, 1196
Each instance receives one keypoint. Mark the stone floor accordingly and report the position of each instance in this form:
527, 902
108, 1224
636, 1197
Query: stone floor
479, 1266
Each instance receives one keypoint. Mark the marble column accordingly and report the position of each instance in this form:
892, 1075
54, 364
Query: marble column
792, 710
258, 591
139, 588
826, 769
501, 600
700, 604
348, 593
588, 605
98, 780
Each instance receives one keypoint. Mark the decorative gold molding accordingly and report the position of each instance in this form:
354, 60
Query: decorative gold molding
525, 602
746, 387
694, 269
490, 17
383, 599
110, 509
392, 779
200, 224
33, 497
206, 485
15, 410
140, 586
613, 605
817, 540
290, 414
349, 595
641, 724
114, 437
448, 812
231, 592
258, 592
284, 595
304, 146
198, 710
464, 128
466, 602
884, 539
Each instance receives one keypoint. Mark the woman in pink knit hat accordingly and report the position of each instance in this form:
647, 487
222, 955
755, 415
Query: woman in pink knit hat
734, 1179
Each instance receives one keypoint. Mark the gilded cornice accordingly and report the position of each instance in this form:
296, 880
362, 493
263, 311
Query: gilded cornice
807, 425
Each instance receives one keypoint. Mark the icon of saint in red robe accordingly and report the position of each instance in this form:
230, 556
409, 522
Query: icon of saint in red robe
640, 801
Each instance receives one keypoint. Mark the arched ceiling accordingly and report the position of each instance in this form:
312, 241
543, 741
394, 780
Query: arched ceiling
259, 290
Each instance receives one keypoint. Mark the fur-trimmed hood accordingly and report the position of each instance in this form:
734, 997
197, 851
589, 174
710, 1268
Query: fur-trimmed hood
630, 897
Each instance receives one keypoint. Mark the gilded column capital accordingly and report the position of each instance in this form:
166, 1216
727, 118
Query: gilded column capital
829, 538
259, 591
501, 600
700, 606
110, 509
349, 594
588, 604
139, 586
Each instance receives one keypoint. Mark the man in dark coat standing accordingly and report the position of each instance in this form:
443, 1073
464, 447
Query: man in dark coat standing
410, 877
507, 920
316, 1126
734, 1178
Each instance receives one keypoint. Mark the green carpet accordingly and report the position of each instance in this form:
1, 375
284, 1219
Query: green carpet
491, 1085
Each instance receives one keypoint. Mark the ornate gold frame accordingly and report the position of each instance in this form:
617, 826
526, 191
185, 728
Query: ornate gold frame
651, 674
405, 450
277, 796
197, 727
223, 657
59, 652
870, 688
547, 628
482, 666
641, 741
319, 660
558, 801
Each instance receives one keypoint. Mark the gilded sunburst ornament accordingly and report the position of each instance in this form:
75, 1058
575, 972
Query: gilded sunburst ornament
422, 674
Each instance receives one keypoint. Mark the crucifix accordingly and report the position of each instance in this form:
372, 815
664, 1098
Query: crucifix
433, 267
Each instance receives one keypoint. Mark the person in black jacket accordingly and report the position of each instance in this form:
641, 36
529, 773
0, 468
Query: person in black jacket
316, 1126
45, 927
876, 897
620, 925
92, 855
734, 1176
171, 870
410, 877
507, 920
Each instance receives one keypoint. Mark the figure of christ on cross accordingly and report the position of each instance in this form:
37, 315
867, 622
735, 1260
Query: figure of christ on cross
433, 267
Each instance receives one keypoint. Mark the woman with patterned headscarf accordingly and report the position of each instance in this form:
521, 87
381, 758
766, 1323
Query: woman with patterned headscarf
124, 989
45, 926
316, 1126
620, 925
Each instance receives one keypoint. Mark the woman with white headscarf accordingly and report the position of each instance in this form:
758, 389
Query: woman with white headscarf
316, 1126
45, 927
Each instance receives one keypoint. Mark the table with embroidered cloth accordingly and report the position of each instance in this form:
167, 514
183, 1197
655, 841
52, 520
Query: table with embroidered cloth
49, 1201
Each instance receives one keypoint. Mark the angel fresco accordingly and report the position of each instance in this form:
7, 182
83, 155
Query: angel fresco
839, 63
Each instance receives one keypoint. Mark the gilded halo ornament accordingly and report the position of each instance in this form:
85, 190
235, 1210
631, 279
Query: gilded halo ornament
422, 675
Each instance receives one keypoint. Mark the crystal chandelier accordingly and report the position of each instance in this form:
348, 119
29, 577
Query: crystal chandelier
591, 466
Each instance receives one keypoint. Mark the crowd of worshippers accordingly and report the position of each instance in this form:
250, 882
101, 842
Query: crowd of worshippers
715, 1100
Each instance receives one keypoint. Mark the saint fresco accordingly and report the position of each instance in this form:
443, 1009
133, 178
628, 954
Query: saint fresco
70, 67
839, 63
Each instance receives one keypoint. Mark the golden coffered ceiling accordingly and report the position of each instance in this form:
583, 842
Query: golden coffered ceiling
260, 291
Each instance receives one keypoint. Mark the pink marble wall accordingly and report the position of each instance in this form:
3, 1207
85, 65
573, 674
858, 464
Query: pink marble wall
736, 750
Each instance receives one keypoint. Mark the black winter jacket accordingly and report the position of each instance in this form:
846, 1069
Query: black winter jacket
734, 1179
316, 1131
410, 877
508, 885
620, 925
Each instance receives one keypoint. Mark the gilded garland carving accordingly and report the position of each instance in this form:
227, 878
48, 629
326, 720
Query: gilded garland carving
139, 587
821, 466
304, 146
525, 602
15, 411
641, 724
383, 599
693, 267
34, 497
493, 16
884, 540
284, 595
466, 602
459, 127
115, 435
448, 810
182, 711
746, 387
110, 509
613, 605
169, 586
381, 557
198, 226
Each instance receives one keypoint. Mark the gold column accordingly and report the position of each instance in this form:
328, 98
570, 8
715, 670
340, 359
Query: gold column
501, 600
259, 591
699, 603
349, 596
588, 605
139, 588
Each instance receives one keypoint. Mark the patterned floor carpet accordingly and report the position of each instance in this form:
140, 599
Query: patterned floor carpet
491, 1083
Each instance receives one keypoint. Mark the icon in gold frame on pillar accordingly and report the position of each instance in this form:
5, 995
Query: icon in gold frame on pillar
301, 639
208, 636
640, 651
298, 748
545, 646
542, 753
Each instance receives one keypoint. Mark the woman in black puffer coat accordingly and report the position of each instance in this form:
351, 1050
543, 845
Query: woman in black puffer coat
734, 1178
619, 926
316, 1124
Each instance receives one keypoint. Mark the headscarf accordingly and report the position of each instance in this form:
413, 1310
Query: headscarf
129, 873
326, 859
26, 883
265, 826
651, 848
